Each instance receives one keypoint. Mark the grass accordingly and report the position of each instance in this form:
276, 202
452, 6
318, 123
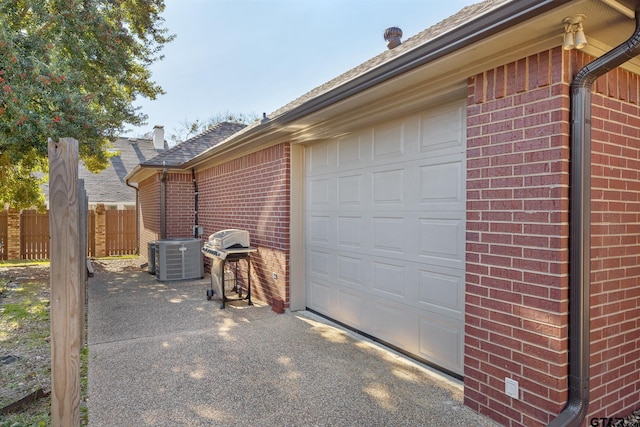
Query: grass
24, 335
23, 263
37, 415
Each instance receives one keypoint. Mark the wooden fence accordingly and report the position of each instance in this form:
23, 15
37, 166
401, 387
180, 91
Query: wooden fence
121, 232
25, 234
34, 235
3, 234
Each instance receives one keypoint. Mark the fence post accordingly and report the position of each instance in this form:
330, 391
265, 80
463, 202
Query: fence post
13, 234
101, 231
83, 206
65, 262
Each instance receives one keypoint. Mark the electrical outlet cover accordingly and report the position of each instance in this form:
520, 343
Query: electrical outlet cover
511, 387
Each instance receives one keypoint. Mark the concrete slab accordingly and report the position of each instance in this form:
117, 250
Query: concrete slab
160, 354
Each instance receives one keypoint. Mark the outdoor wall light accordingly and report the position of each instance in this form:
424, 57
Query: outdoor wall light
574, 37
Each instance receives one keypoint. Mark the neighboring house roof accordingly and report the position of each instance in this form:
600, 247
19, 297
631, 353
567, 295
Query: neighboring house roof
192, 147
109, 186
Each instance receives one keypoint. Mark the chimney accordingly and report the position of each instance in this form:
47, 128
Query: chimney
158, 137
392, 36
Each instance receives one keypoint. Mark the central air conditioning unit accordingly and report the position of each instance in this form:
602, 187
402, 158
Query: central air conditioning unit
179, 259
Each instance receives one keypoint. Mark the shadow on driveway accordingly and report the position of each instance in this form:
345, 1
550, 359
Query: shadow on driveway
160, 354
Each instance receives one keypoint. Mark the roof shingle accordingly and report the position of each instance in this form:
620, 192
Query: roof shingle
187, 150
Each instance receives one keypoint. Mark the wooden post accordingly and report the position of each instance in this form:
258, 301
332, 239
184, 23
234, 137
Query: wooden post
13, 234
101, 231
83, 206
65, 261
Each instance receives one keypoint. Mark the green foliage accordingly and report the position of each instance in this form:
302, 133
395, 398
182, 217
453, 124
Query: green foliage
27, 309
84, 385
71, 68
38, 417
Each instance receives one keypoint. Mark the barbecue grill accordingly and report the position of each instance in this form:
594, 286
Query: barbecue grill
226, 248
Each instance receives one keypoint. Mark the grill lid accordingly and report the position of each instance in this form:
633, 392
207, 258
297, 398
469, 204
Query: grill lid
230, 238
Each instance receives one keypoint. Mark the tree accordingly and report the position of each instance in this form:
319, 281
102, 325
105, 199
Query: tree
70, 68
188, 128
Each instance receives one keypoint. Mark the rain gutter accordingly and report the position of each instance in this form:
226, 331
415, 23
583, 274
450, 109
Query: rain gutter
135, 187
499, 19
580, 227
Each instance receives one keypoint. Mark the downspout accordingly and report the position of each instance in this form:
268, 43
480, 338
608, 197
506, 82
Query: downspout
196, 234
580, 225
163, 203
137, 216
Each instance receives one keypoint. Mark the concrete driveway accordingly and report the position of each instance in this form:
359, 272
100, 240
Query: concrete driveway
160, 354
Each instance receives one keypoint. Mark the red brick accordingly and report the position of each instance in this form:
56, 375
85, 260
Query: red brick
535, 215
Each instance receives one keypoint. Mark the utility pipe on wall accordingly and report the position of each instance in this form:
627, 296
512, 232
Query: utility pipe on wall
196, 232
580, 225
163, 203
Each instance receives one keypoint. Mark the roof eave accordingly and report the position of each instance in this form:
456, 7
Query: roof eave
499, 19
486, 25
136, 174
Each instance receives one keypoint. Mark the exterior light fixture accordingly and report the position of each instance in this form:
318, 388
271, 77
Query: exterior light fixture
574, 37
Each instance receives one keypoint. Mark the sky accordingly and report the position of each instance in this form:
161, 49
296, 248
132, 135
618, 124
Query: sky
254, 56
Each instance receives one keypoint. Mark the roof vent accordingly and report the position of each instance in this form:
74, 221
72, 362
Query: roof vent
392, 36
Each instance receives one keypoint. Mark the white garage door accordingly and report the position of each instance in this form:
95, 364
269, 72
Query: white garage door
385, 232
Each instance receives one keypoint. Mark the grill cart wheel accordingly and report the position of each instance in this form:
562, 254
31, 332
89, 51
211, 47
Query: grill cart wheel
209, 294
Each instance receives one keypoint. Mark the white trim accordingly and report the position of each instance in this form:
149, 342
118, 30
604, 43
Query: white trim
297, 285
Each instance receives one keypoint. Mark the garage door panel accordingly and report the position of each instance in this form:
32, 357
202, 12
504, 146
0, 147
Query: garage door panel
385, 232
318, 158
350, 232
388, 235
351, 269
350, 307
319, 192
389, 279
441, 241
321, 263
388, 187
442, 183
441, 291
354, 152
443, 129
388, 142
441, 341
391, 322
319, 229
350, 191
319, 296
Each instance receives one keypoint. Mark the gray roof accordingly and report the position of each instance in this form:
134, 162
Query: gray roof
187, 150
199, 145
449, 24
108, 186
464, 15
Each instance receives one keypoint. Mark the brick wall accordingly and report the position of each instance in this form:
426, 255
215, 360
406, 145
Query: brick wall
180, 205
517, 240
252, 193
615, 266
149, 212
